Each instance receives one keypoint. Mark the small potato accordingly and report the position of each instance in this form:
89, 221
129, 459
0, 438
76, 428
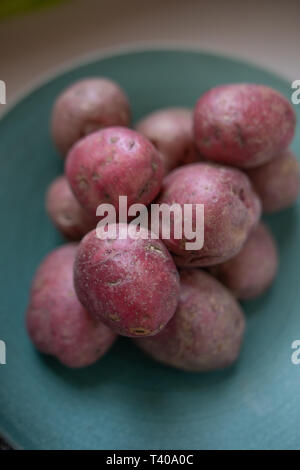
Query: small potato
65, 212
206, 331
56, 322
132, 285
243, 125
278, 182
171, 132
231, 210
252, 271
114, 162
84, 107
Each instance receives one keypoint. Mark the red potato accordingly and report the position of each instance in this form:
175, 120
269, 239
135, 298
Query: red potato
132, 285
171, 132
56, 322
243, 125
231, 210
114, 162
278, 182
206, 331
84, 107
252, 271
65, 211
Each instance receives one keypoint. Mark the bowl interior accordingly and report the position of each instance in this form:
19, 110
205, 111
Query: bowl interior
127, 401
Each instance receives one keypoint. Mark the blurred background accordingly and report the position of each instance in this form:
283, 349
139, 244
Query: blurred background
37, 36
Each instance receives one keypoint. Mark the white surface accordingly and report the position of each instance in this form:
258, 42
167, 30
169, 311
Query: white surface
264, 32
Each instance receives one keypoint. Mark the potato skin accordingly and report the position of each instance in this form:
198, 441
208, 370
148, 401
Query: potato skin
251, 272
243, 125
130, 285
114, 162
171, 132
278, 182
56, 322
84, 107
206, 331
231, 210
65, 211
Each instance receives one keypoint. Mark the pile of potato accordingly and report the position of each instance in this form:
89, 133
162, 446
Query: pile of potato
181, 306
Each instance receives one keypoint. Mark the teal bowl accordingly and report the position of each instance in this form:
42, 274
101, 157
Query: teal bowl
128, 401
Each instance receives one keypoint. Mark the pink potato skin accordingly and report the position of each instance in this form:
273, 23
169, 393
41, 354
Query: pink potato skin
278, 182
231, 210
114, 162
130, 285
171, 132
243, 125
57, 323
65, 212
86, 106
206, 331
251, 272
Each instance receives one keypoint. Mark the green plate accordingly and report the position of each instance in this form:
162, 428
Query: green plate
127, 401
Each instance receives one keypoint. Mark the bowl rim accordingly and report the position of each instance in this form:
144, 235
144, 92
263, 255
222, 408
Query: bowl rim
128, 48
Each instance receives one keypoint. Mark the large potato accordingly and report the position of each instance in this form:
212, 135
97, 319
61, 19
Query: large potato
85, 106
171, 131
206, 331
252, 271
65, 211
278, 182
132, 285
56, 322
243, 125
114, 162
231, 209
